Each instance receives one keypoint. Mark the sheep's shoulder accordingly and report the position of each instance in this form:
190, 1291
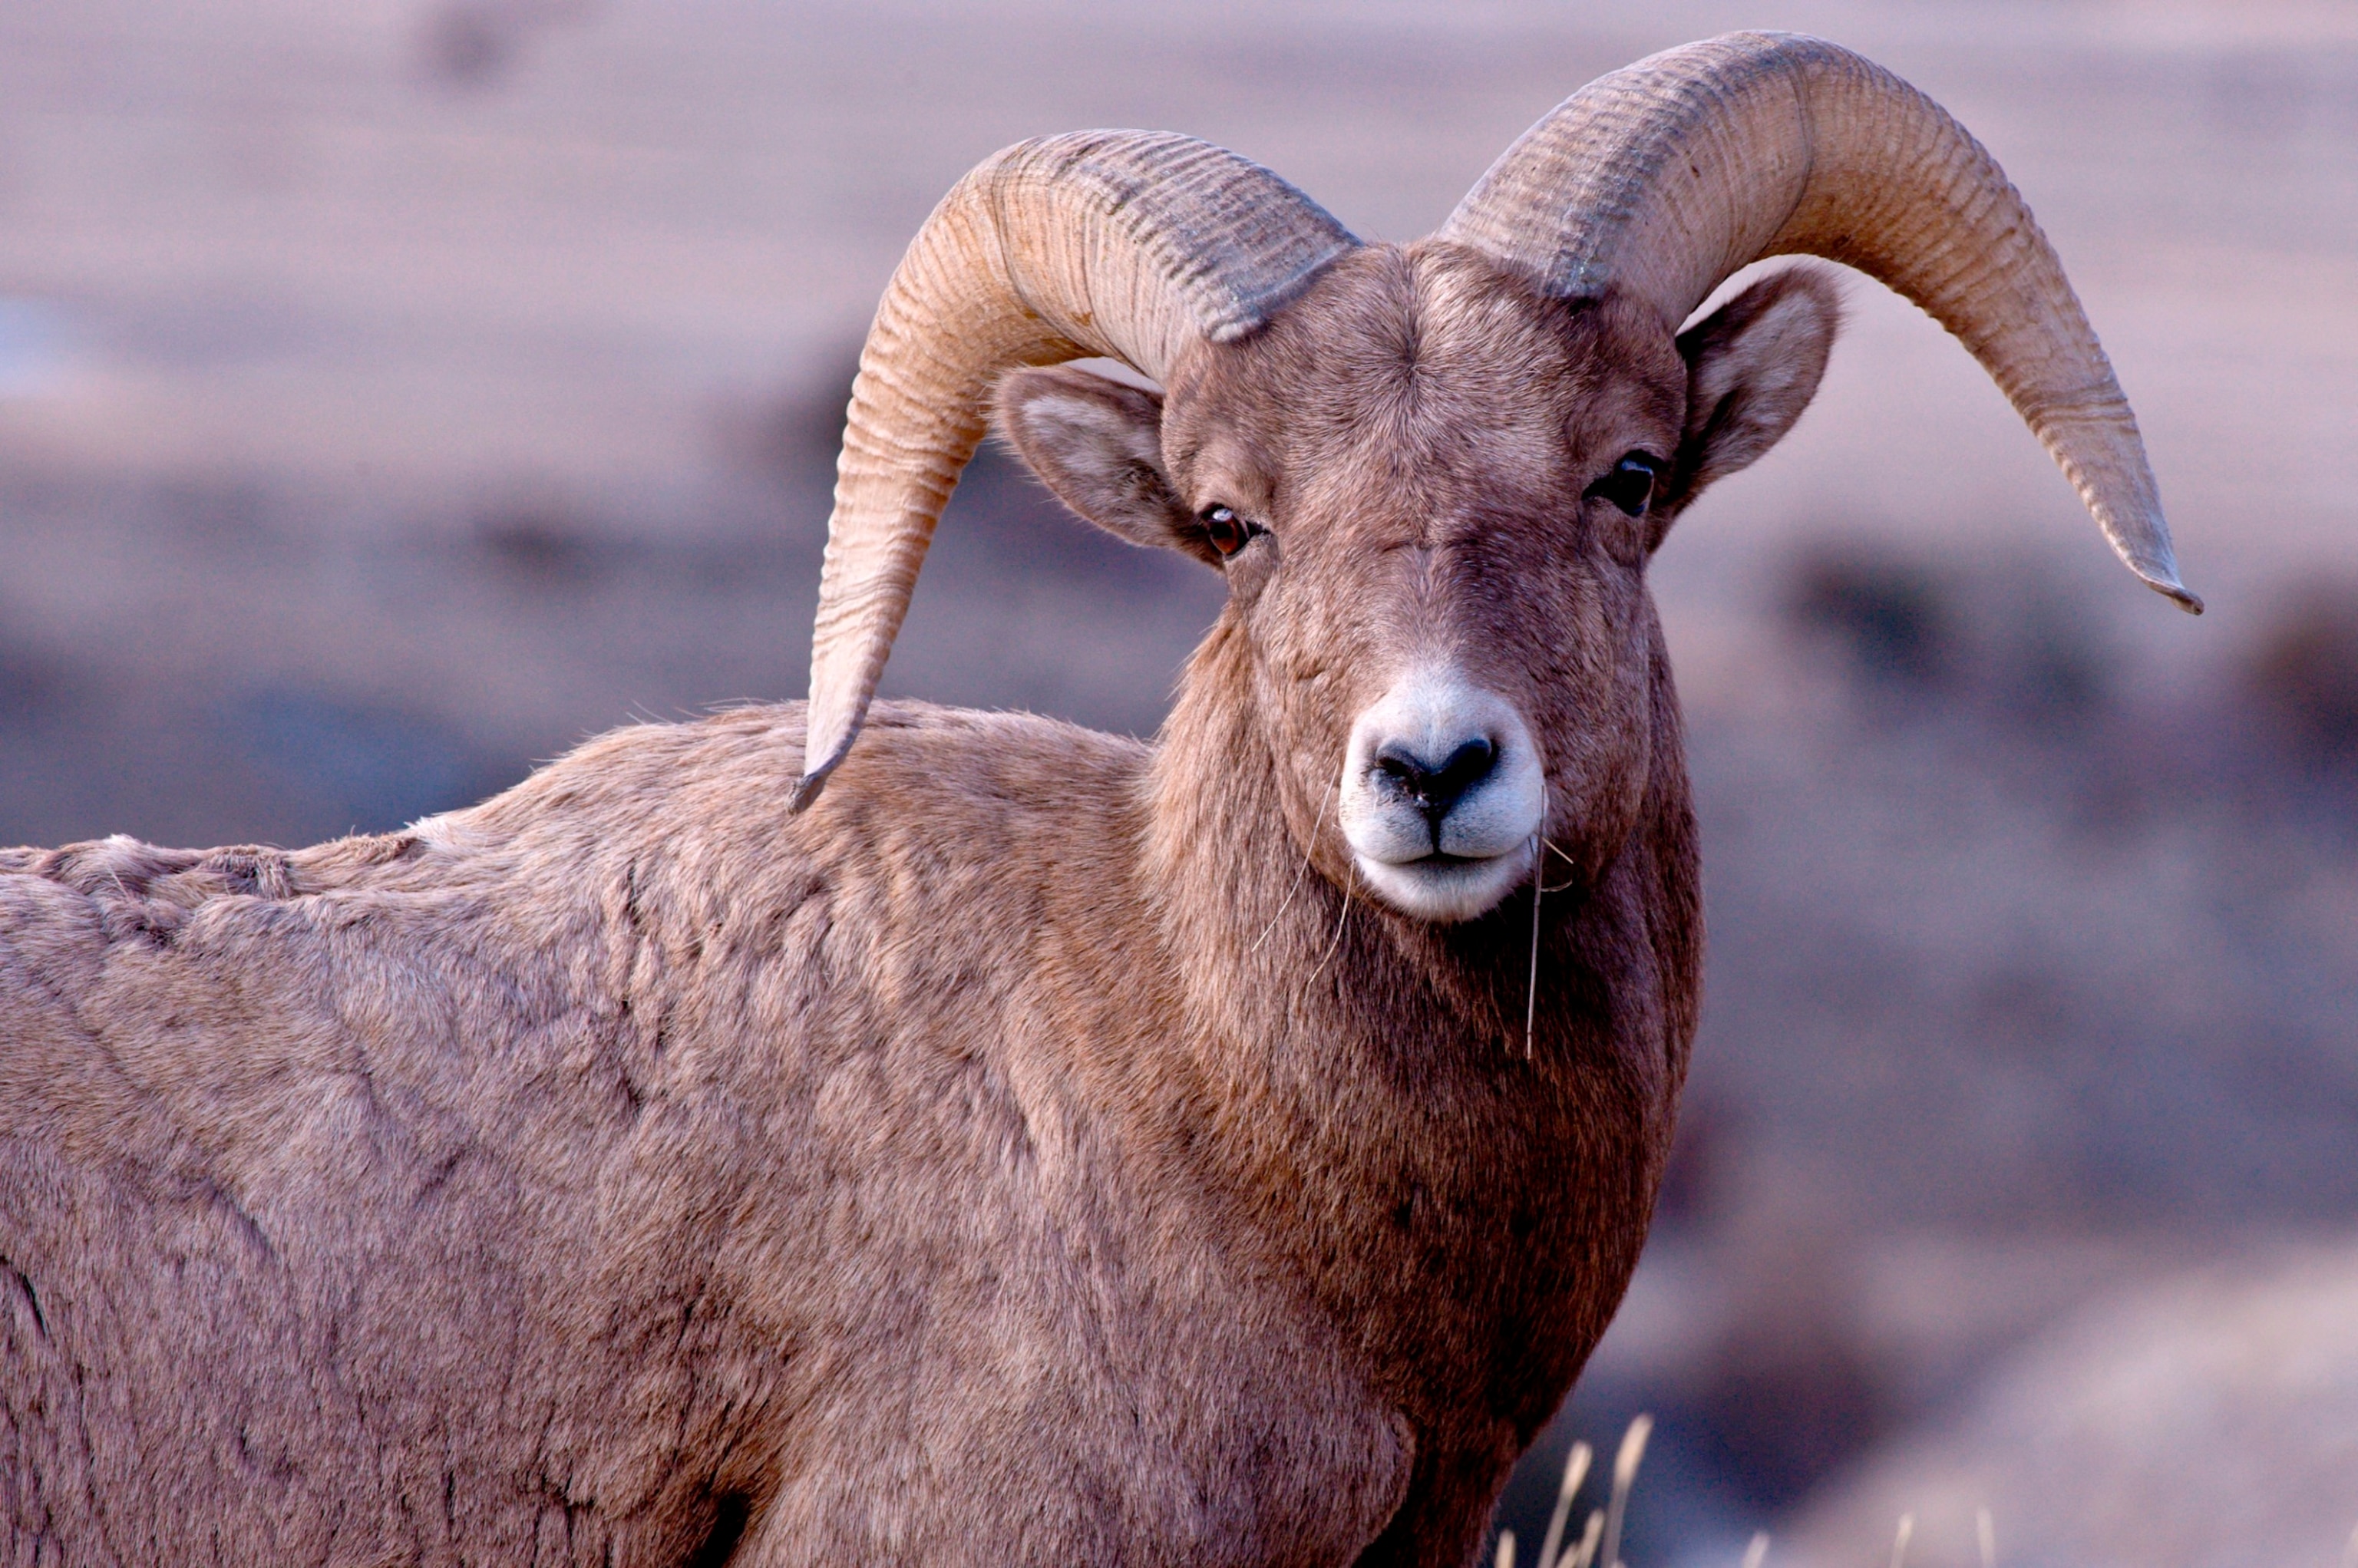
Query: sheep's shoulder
966, 785
655, 868
948, 838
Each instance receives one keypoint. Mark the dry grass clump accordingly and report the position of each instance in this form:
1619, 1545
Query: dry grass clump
1599, 1545
1600, 1539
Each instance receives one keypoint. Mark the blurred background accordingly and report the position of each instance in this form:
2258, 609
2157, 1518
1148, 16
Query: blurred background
395, 393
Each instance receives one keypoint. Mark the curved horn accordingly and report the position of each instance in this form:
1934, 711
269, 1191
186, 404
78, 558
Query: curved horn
1665, 177
1126, 244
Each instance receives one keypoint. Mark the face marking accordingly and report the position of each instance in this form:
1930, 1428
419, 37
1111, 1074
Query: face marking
1441, 794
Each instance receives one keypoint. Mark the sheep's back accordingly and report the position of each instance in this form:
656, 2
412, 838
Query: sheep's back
553, 1176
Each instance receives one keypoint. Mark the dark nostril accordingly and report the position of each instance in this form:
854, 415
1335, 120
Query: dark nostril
1466, 767
1436, 789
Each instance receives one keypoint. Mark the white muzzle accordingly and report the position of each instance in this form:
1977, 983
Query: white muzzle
1442, 796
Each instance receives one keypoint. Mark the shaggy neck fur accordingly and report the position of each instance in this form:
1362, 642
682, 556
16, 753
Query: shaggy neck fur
1466, 1209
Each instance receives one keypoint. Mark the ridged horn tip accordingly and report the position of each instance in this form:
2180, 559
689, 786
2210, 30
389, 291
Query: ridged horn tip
807, 790
2143, 545
816, 774
2172, 588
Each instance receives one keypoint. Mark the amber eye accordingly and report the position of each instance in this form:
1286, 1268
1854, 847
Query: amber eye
1227, 532
1630, 485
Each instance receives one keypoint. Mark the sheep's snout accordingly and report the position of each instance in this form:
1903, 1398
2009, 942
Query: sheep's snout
1442, 793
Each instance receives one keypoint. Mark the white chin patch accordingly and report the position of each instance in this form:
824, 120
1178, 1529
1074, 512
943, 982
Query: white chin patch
1447, 889
1442, 794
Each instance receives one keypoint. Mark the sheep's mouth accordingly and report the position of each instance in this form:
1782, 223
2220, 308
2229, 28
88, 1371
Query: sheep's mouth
1446, 888
1438, 862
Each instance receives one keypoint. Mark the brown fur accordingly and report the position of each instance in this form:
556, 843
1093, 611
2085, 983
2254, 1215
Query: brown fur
1039, 1151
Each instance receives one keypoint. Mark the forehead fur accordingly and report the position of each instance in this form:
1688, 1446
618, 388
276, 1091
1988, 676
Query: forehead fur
1430, 367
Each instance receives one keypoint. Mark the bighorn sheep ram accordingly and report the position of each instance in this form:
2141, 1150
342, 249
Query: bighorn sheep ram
1039, 1147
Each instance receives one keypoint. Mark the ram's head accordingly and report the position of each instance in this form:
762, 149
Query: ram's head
1434, 474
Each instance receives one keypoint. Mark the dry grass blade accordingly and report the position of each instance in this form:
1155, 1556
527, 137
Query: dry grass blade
1532, 995
1758, 1553
1625, 1476
1301, 876
1575, 1471
1336, 946
1987, 1533
1585, 1555
1900, 1544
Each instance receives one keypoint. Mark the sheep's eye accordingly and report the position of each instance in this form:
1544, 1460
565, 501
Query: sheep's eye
1227, 532
1630, 485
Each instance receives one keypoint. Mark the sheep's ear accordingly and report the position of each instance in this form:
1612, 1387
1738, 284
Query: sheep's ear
1752, 366
1098, 444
